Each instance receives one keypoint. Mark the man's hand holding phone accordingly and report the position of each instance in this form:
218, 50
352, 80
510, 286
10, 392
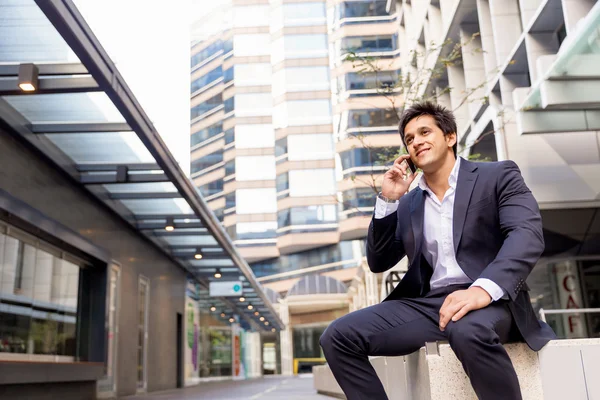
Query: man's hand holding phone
398, 178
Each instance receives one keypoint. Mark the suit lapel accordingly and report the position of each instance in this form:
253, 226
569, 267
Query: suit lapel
417, 214
467, 177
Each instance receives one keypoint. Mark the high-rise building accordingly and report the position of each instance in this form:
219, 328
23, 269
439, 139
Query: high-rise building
278, 121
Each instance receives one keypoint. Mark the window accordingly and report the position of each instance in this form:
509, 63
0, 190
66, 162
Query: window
254, 168
283, 182
302, 112
229, 135
306, 342
34, 274
206, 133
247, 45
250, 16
367, 157
371, 80
298, 79
211, 188
230, 167
342, 251
358, 9
299, 14
142, 350
207, 52
281, 147
206, 106
230, 200
309, 215
310, 147
254, 136
358, 198
366, 44
228, 75
371, 118
312, 182
256, 201
253, 104
299, 46
204, 80
207, 161
252, 74
256, 230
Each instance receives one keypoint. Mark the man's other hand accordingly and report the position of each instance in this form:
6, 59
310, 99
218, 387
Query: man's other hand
459, 303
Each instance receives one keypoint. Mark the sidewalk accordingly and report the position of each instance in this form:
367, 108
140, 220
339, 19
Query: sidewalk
270, 388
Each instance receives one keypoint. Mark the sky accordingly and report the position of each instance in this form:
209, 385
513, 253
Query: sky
149, 41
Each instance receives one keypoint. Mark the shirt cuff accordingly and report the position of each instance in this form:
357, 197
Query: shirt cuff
495, 291
383, 208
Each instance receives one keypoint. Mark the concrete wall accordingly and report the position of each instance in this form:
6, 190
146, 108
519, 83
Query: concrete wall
28, 177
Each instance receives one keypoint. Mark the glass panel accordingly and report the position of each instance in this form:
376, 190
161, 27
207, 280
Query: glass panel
211, 188
253, 168
304, 14
256, 201
158, 206
207, 78
357, 9
371, 118
109, 147
256, 230
195, 240
310, 215
146, 187
28, 36
252, 45
38, 300
312, 182
207, 161
66, 107
310, 147
367, 157
306, 342
206, 106
299, 46
206, 133
254, 136
143, 299
207, 52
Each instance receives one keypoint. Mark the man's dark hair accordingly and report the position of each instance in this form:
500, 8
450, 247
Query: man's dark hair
443, 117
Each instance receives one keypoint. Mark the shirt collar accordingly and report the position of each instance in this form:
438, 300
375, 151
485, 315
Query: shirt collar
452, 179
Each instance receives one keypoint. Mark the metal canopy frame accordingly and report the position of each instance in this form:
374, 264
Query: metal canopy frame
119, 185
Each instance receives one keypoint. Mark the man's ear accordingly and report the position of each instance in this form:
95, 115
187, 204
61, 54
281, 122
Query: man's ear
451, 139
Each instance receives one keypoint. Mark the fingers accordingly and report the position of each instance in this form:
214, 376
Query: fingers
448, 311
403, 157
462, 312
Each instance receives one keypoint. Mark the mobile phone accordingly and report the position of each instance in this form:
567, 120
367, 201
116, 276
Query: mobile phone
411, 165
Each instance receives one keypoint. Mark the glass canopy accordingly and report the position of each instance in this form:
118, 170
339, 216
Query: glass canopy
85, 118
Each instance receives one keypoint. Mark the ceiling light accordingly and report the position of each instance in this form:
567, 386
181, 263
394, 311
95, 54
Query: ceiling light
266, 322
222, 315
218, 274
28, 77
256, 313
273, 330
242, 299
262, 318
170, 226
250, 306
198, 254
232, 320
213, 308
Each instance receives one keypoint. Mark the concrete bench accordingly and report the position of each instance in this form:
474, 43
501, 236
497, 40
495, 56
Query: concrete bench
563, 369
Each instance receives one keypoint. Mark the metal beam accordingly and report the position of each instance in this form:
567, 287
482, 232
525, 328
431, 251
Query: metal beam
180, 233
142, 217
47, 69
107, 178
114, 167
557, 121
75, 127
81, 84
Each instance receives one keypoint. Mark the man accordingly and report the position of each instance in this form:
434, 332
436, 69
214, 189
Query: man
472, 232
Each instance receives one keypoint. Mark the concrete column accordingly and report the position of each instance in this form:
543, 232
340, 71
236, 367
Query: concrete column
253, 355
457, 84
287, 349
435, 25
539, 45
506, 25
528, 9
371, 287
575, 10
362, 298
447, 10
443, 97
474, 68
487, 37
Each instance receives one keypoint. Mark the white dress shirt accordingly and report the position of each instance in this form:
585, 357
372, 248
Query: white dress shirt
438, 245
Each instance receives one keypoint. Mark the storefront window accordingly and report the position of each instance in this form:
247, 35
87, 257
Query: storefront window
38, 298
306, 342
215, 348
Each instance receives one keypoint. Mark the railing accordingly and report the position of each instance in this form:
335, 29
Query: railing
543, 312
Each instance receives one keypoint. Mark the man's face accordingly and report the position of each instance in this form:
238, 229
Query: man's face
426, 143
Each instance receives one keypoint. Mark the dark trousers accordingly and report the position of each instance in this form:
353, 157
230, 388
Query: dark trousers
400, 327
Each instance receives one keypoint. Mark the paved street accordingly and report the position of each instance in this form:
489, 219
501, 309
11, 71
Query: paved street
270, 388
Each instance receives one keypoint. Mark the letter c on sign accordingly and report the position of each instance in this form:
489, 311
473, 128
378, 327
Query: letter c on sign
569, 287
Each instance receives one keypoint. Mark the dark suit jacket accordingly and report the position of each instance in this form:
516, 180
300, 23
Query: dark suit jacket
497, 230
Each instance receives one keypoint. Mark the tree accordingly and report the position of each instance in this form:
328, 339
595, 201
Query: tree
415, 83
